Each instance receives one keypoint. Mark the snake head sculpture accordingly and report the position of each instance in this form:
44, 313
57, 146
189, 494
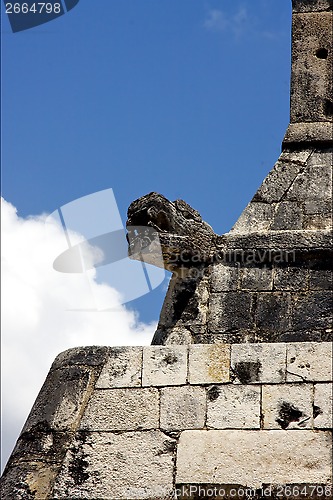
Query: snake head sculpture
169, 234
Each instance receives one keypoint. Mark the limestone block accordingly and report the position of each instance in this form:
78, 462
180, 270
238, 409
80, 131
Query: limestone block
230, 311
254, 458
278, 180
61, 399
233, 407
321, 279
311, 361
209, 363
312, 310
256, 278
122, 409
272, 312
287, 406
258, 363
133, 465
314, 183
28, 481
288, 215
292, 278
322, 408
164, 365
183, 408
84, 356
224, 277
311, 5
255, 218
122, 369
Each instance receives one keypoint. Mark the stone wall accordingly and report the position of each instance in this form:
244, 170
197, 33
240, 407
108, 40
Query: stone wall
160, 422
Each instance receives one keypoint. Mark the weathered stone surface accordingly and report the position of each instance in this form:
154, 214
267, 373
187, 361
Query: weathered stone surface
288, 406
288, 215
226, 314
249, 363
312, 310
256, 278
224, 277
308, 133
122, 409
233, 407
272, 313
309, 361
183, 408
278, 180
164, 365
209, 364
131, 465
85, 356
311, 5
122, 369
255, 217
62, 399
28, 481
321, 280
322, 407
313, 184
254, 458
311, 82
292, 278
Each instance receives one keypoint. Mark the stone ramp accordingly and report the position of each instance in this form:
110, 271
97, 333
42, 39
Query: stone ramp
161, 422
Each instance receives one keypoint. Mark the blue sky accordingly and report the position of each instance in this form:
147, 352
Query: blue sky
189, 98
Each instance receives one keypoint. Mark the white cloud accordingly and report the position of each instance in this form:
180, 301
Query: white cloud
217, 20
37, 322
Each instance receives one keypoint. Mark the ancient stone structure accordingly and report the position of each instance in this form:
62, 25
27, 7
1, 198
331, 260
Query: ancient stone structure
236, 400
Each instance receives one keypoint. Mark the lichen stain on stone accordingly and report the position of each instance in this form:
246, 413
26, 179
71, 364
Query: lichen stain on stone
288, 413
317, 411
219, 364
213, 393
170, 359
78, 464
247, 371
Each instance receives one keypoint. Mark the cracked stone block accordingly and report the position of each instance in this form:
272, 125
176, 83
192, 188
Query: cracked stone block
315, 183
310, 361
249, 363
122, 409
291, 278
164, 365
254, 458
122, 369
256, 278
287, 406
224, 278
209, 363
233, 407
183, 408
131, 465
229, 312
322, 407
277, 182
